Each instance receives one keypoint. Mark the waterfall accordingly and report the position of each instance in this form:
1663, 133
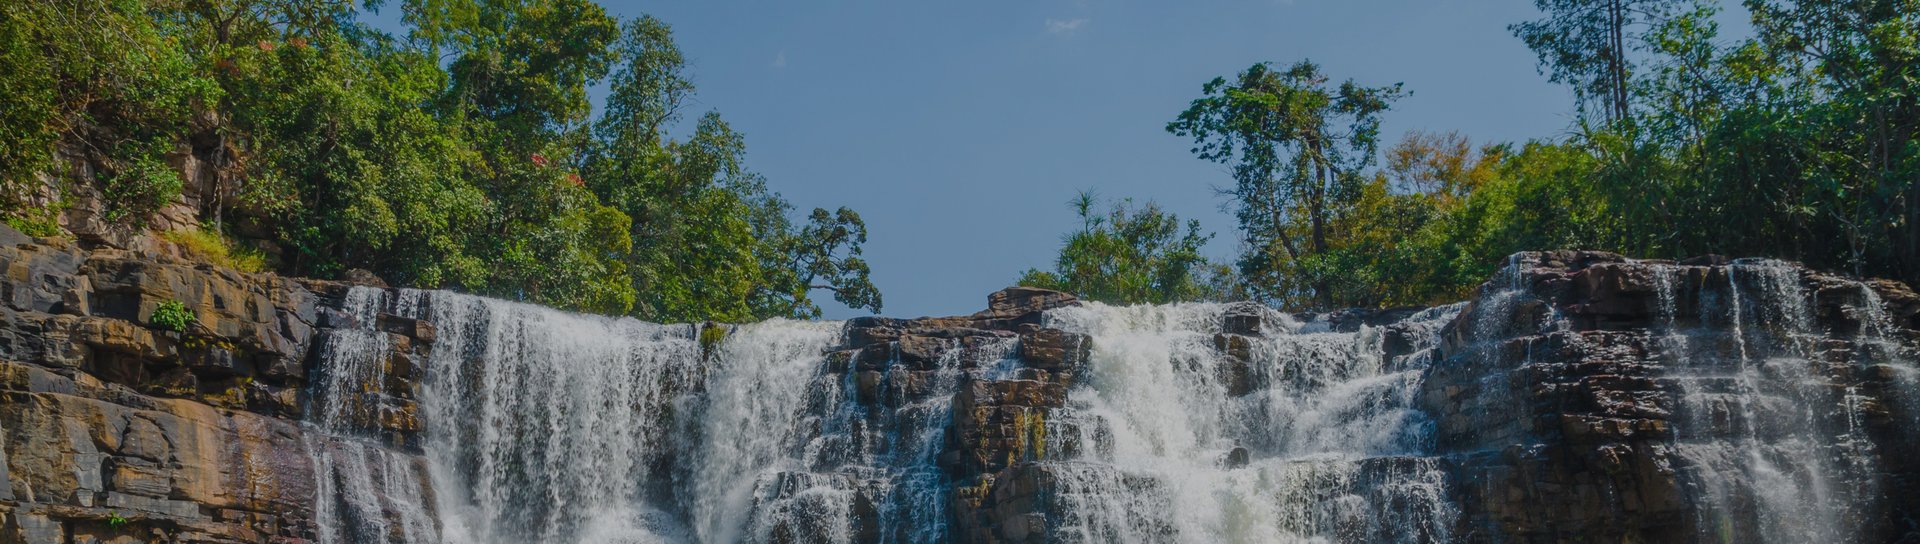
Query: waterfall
1323, 444
547, 426
1777, 450
1183, 423
366, 493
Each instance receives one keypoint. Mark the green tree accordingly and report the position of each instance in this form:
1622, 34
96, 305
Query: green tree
1587, 44
465, 156
95, 86
1298, 149
1132, 254
709, 241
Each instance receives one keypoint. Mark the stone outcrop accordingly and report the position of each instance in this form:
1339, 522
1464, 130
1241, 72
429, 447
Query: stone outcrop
1564, 398
119, 429
1561, 393
1014, 372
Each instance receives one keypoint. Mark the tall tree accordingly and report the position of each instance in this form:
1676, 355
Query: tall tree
1587, 44
709, 241
1860, 61
1298, 148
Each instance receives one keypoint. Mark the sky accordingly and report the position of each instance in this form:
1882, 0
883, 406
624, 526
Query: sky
960, 130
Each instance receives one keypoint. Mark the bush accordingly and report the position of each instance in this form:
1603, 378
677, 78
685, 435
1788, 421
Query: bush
139, 189
172, 315
711, 335
40, 222
210, 246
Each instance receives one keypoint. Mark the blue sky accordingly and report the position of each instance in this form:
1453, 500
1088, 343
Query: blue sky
959, 130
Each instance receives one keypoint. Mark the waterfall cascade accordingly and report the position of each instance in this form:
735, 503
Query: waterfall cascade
1729, 402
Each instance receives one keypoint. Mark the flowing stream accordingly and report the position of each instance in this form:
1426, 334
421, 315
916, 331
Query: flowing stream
546, 426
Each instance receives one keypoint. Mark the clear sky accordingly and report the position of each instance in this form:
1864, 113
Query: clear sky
959, 130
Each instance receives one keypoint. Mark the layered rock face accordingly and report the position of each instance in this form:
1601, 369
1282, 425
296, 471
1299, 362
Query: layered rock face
1579, 396
119, 430
1587, 397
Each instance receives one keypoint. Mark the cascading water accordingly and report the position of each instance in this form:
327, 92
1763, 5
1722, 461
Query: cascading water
546, 426
366, 493
1777, 450
1323, 445
1184, 423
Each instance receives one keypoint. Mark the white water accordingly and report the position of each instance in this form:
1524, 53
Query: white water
545, 426
366, 493
1777, 451
1337, 451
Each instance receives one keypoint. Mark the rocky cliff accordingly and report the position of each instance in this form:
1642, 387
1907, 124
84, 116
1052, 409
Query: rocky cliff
120, 430
1588, 397
1579, 396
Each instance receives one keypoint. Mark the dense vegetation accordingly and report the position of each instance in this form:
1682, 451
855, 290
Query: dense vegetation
1801, 141
1135, 253
464, 155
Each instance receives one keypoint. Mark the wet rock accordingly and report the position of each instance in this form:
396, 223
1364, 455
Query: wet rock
1055, 350
1244, 318
362, 276
1235, 458
1014, 306
1561, 390
188, 436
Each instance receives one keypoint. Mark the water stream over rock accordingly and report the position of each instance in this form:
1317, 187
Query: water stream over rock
1576, 396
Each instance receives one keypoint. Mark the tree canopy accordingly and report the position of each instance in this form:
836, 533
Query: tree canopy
465, 154
1800, 142
1132, 254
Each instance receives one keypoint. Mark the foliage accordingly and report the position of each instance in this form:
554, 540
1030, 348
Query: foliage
1802, 142
709, 241
115, 520
1589, 45
711, 336
1298, 149
463, 155
172, 315
209, 245
98, 83
39, 221
1131, 255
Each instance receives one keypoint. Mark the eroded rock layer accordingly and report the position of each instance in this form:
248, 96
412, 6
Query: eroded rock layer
117, 429
1579, 396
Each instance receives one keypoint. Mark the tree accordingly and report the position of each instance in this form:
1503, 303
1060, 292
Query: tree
823, 255
1131, 255
1586, 44
1298, 150
466, 156
709, 241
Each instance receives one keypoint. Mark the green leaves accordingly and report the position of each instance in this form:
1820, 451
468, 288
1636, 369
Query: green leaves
465, 156
1297, 148
171, 315
1131, 254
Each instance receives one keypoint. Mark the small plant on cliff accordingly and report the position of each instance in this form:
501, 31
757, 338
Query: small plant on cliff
711, 335
115, 520
209, 245
172, 315
40, 222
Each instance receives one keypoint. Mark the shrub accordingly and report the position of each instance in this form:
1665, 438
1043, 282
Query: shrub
35, 223
172, 315
711, 335
209, 245
139, 189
